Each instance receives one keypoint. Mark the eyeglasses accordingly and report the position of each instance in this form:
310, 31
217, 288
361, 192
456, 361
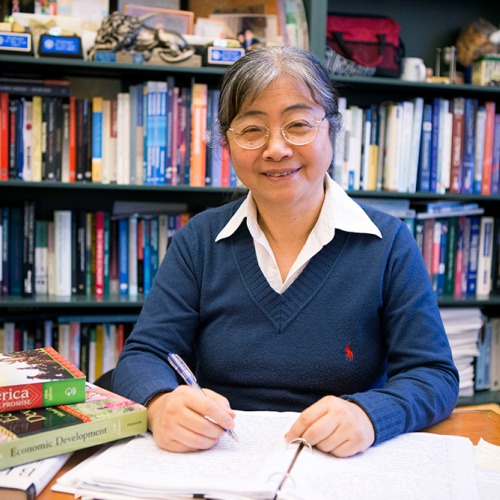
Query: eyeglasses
298, 132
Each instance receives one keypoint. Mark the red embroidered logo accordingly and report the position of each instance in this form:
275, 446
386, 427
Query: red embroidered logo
349, 355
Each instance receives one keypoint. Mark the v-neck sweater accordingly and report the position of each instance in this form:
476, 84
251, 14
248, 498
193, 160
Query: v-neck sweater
360, 322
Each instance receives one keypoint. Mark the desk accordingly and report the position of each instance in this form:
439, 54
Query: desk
473, 424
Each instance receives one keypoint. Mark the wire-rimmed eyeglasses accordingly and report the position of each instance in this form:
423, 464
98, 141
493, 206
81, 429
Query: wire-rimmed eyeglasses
298, 132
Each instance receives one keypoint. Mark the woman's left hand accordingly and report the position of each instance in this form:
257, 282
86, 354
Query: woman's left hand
334, 426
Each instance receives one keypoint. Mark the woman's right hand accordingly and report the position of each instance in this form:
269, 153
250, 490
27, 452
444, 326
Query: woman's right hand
183, 420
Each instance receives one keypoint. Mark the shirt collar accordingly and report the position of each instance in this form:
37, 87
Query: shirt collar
353, 219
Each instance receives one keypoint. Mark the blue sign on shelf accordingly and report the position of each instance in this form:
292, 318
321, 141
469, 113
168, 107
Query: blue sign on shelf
15, 42
224, 55
64, 46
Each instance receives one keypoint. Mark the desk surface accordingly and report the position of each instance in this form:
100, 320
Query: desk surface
473, 424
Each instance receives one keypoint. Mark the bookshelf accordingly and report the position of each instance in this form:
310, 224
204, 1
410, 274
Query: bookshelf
423, 28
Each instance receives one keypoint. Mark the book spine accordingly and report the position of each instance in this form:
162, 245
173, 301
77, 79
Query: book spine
495, 162
37, 138
424, 168
457, 134
132, 255
4, 136
475, 228
41, 250
97, 140
479, 148
123, 246
468, 164
198, 131
489, 133
485, 256
62, 252
28, 249
49, 443
99, 243
13, 136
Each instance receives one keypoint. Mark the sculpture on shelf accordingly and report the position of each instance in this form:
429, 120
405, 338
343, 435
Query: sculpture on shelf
119, 32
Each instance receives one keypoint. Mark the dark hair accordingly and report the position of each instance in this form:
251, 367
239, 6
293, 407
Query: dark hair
260, 67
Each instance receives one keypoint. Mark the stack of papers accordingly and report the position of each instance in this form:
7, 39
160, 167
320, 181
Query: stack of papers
463, 326
413, 465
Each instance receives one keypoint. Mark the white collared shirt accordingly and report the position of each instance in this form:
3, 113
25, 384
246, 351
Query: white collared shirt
352, 219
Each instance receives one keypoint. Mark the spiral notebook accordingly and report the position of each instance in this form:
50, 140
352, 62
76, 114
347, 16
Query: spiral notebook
263, 466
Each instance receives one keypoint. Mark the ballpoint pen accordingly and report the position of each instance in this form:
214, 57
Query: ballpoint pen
188, 376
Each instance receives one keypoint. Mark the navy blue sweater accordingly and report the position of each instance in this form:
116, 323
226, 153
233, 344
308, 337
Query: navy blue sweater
360, 322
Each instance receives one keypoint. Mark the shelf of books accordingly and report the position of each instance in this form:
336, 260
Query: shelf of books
101, 163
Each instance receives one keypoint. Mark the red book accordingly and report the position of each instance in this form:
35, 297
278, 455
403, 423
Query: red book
72, 139
226, 168
99, 254
38, 378
198, 134
457, 140
488, 147
4, 136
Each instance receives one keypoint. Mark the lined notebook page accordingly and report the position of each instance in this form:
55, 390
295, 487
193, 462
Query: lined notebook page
412, 466
416, 465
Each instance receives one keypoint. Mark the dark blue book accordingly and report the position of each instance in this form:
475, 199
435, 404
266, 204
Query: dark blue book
424, 161
441, 268
4, 290
475, 230
171, 107
436, 105
20, 137
469, 148
147, 256
13, 138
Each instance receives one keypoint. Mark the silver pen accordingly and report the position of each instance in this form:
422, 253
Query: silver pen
187, 375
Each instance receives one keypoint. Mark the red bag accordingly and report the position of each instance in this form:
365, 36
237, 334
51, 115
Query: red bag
369, 41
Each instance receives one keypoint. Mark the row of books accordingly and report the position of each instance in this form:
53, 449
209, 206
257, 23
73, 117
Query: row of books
48, 408
440, 146
155, 133
91, 343
460, 245
82, 253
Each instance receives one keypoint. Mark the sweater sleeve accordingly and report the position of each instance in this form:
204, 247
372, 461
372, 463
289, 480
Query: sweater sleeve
168, 323
422, 380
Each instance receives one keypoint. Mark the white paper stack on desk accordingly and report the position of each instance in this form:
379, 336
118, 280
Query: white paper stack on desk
415, 465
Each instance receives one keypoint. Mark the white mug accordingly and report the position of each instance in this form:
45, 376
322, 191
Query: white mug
413, 69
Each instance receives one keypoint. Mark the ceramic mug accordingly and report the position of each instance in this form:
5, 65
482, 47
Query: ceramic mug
413, 69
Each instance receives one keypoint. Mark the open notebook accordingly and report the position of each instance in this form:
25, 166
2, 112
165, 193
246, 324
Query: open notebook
424, 465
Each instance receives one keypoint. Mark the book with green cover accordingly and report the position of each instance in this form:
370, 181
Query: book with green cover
38, 377
33, 434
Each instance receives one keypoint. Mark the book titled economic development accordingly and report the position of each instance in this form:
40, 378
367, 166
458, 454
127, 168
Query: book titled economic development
38, 377
34, 434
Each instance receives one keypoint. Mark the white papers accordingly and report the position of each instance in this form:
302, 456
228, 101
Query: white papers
487, 457
414, 465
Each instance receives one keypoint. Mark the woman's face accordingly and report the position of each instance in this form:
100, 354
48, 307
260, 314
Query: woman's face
280, 173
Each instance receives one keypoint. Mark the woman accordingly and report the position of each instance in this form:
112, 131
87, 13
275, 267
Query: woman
295, 298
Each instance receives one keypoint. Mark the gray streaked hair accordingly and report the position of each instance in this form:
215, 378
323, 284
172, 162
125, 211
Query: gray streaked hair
260, 67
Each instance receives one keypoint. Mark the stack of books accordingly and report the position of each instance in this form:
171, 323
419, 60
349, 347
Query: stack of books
463, 327
47, 409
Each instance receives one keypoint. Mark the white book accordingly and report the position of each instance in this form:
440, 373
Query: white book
123, 138
27, 481
405, 151
51, 259
62, 252
365, 149
355, 144
392, 149
28, 141
339, 144
418, 111
485, 256
444, 106
347, 130
446, 156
